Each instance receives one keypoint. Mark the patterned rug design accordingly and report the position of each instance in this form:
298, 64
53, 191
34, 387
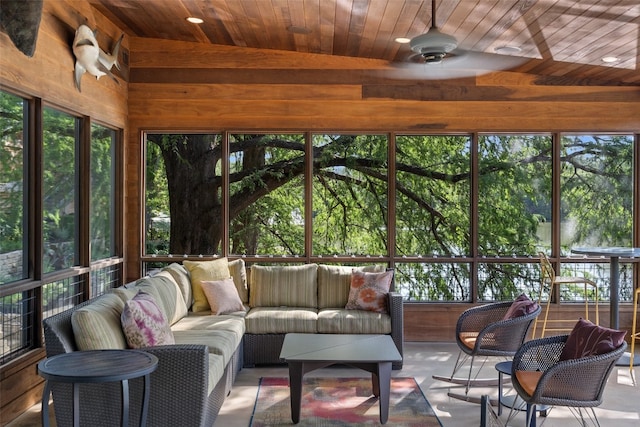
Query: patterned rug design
342, 402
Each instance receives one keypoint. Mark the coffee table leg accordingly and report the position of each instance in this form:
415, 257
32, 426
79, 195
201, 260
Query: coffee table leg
295, 389
384, 389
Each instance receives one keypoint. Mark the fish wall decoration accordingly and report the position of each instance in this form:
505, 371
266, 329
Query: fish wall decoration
90, 58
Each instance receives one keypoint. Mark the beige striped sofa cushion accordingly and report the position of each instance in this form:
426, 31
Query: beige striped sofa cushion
281, 320
342, 321
334, 283
287, 286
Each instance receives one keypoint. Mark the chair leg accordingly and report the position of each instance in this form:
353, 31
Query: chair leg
531, 415
588, 418
459, 363
546, 313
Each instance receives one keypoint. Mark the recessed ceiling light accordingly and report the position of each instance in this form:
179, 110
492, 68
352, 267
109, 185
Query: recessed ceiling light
195, 20
610, 59
403, 40
508, 50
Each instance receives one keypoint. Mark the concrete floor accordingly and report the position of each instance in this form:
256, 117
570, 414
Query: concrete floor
620, 408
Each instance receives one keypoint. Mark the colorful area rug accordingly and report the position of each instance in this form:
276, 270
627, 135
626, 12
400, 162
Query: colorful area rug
342, 402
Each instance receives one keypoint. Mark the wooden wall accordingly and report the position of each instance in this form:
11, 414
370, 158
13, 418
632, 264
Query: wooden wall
48, 75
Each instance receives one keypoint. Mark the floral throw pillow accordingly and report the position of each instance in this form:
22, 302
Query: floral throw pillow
587, 339
222, 296
369, 291
144, 324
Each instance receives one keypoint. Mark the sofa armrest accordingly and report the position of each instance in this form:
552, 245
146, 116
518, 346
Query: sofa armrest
396, 311
179, 385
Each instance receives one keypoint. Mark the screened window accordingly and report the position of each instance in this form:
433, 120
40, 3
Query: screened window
350, 202
597, 202
42, 219
433, 195
514, 195
183, 180
464, 228
103, 186
266, 194
597, 190
12, 188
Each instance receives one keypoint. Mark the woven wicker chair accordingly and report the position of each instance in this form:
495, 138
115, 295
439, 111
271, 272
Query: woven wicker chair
575, 383
482, 331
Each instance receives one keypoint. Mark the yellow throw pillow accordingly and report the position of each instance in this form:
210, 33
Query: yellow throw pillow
201, 271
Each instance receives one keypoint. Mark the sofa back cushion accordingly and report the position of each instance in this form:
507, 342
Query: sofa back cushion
97, 326
334, 283
166, 292
287, 286
239, 274
182, 279
199, 271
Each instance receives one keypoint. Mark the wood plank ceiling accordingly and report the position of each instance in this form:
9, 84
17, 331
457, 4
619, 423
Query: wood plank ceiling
563, 40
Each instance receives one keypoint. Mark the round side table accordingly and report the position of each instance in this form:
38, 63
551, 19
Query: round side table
98, 366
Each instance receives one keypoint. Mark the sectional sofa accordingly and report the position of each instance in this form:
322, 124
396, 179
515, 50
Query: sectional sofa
220, 317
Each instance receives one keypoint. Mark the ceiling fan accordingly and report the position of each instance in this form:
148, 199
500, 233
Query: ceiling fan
436, 55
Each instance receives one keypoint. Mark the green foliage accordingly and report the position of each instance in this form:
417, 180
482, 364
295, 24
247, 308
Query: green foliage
597, 174
102, 219
59, 186
11, 172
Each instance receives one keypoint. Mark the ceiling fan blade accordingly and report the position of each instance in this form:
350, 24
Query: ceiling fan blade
457, 64
400, 71
470, 59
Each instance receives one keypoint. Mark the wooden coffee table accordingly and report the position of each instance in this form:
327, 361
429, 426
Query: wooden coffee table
372, 353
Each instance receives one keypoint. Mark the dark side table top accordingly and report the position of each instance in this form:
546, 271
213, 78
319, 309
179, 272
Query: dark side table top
97, 366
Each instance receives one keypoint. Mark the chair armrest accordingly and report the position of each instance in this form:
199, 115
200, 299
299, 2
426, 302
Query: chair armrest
506, 335
475, 319
539, 354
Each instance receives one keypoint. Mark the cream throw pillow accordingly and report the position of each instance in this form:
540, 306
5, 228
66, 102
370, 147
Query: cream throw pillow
200, 271
222, 296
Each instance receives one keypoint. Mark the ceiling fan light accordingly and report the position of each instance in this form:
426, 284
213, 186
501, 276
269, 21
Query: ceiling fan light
433, 41
433, 57
610, 59
195, 20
